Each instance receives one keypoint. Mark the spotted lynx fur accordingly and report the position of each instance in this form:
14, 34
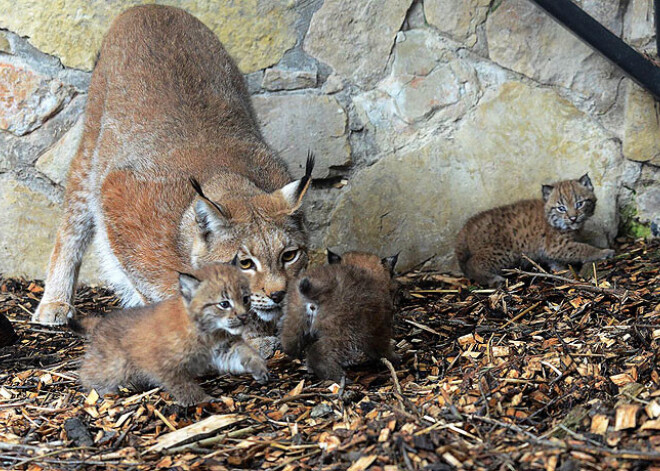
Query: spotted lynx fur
543, 230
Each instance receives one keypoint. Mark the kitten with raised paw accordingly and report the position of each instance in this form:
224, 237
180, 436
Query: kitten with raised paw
542, 229
341, 314
170, 343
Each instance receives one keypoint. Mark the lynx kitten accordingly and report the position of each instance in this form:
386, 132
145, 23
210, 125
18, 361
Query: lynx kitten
543, 230
170, 343
340, 315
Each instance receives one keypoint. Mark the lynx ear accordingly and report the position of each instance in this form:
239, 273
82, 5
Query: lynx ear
294, 192
209, 215
305, 287
188, 285
333, 258
585, 181
546, 190
390, 263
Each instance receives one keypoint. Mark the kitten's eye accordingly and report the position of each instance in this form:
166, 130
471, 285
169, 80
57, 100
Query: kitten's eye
246, 300
561, 208
224, 305
290, 255
579, 204
246, 264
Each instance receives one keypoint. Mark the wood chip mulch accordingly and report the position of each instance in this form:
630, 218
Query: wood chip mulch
549, 373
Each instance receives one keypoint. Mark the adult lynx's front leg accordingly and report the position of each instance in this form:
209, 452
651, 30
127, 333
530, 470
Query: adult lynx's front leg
74, 234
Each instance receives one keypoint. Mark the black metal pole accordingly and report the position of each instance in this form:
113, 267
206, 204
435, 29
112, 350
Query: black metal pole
635, 65
656, 7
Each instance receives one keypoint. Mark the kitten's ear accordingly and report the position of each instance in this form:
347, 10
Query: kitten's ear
585, 181
333, 258
188, 285
305, 287
546, 190
390, 263
294, 192
209, 215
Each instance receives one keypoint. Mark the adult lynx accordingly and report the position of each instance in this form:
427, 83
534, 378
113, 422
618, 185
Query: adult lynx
167, 103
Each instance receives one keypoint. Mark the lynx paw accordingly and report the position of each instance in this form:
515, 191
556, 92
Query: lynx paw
256, 366
53, 313
192, 397
606, 253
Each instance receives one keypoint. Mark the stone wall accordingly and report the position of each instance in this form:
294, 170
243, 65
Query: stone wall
421, 113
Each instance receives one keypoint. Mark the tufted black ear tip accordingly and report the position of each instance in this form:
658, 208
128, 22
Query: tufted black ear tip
333, 257
585, 181
390, 263
305, 286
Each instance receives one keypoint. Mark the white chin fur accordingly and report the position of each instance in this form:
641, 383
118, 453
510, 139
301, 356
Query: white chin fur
220, 325
269, 315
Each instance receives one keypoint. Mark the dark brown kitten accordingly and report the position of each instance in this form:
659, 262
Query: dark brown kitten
543, 230
170, 343
340, 315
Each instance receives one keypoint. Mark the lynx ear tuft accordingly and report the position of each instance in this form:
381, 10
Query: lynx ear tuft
333, 258
546, 190
585, 181
294, 192
188, 286
390, 263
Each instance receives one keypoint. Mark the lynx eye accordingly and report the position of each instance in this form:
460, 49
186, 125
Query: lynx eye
246, 264
579, 204
246, 300
224, 305
561, 208
290, 255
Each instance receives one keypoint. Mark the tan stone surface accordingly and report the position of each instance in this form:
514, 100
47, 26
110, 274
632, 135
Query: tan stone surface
296, 124
255, 32
28, 99
641, 139
459, 20
416, 200
29, 223
355, 37
523, 38
55, 162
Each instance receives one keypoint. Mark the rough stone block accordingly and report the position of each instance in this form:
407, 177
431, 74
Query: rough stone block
295, 124
355, 37
28, 99
29, 222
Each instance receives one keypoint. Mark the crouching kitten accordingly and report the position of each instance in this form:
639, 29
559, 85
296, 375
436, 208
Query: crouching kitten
340, 315
542, 229
170, 343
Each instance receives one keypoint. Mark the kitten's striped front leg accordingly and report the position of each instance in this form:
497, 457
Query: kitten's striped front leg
577, 252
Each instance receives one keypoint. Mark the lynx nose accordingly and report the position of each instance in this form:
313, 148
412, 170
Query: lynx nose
277, 296
242, 317
573, 218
